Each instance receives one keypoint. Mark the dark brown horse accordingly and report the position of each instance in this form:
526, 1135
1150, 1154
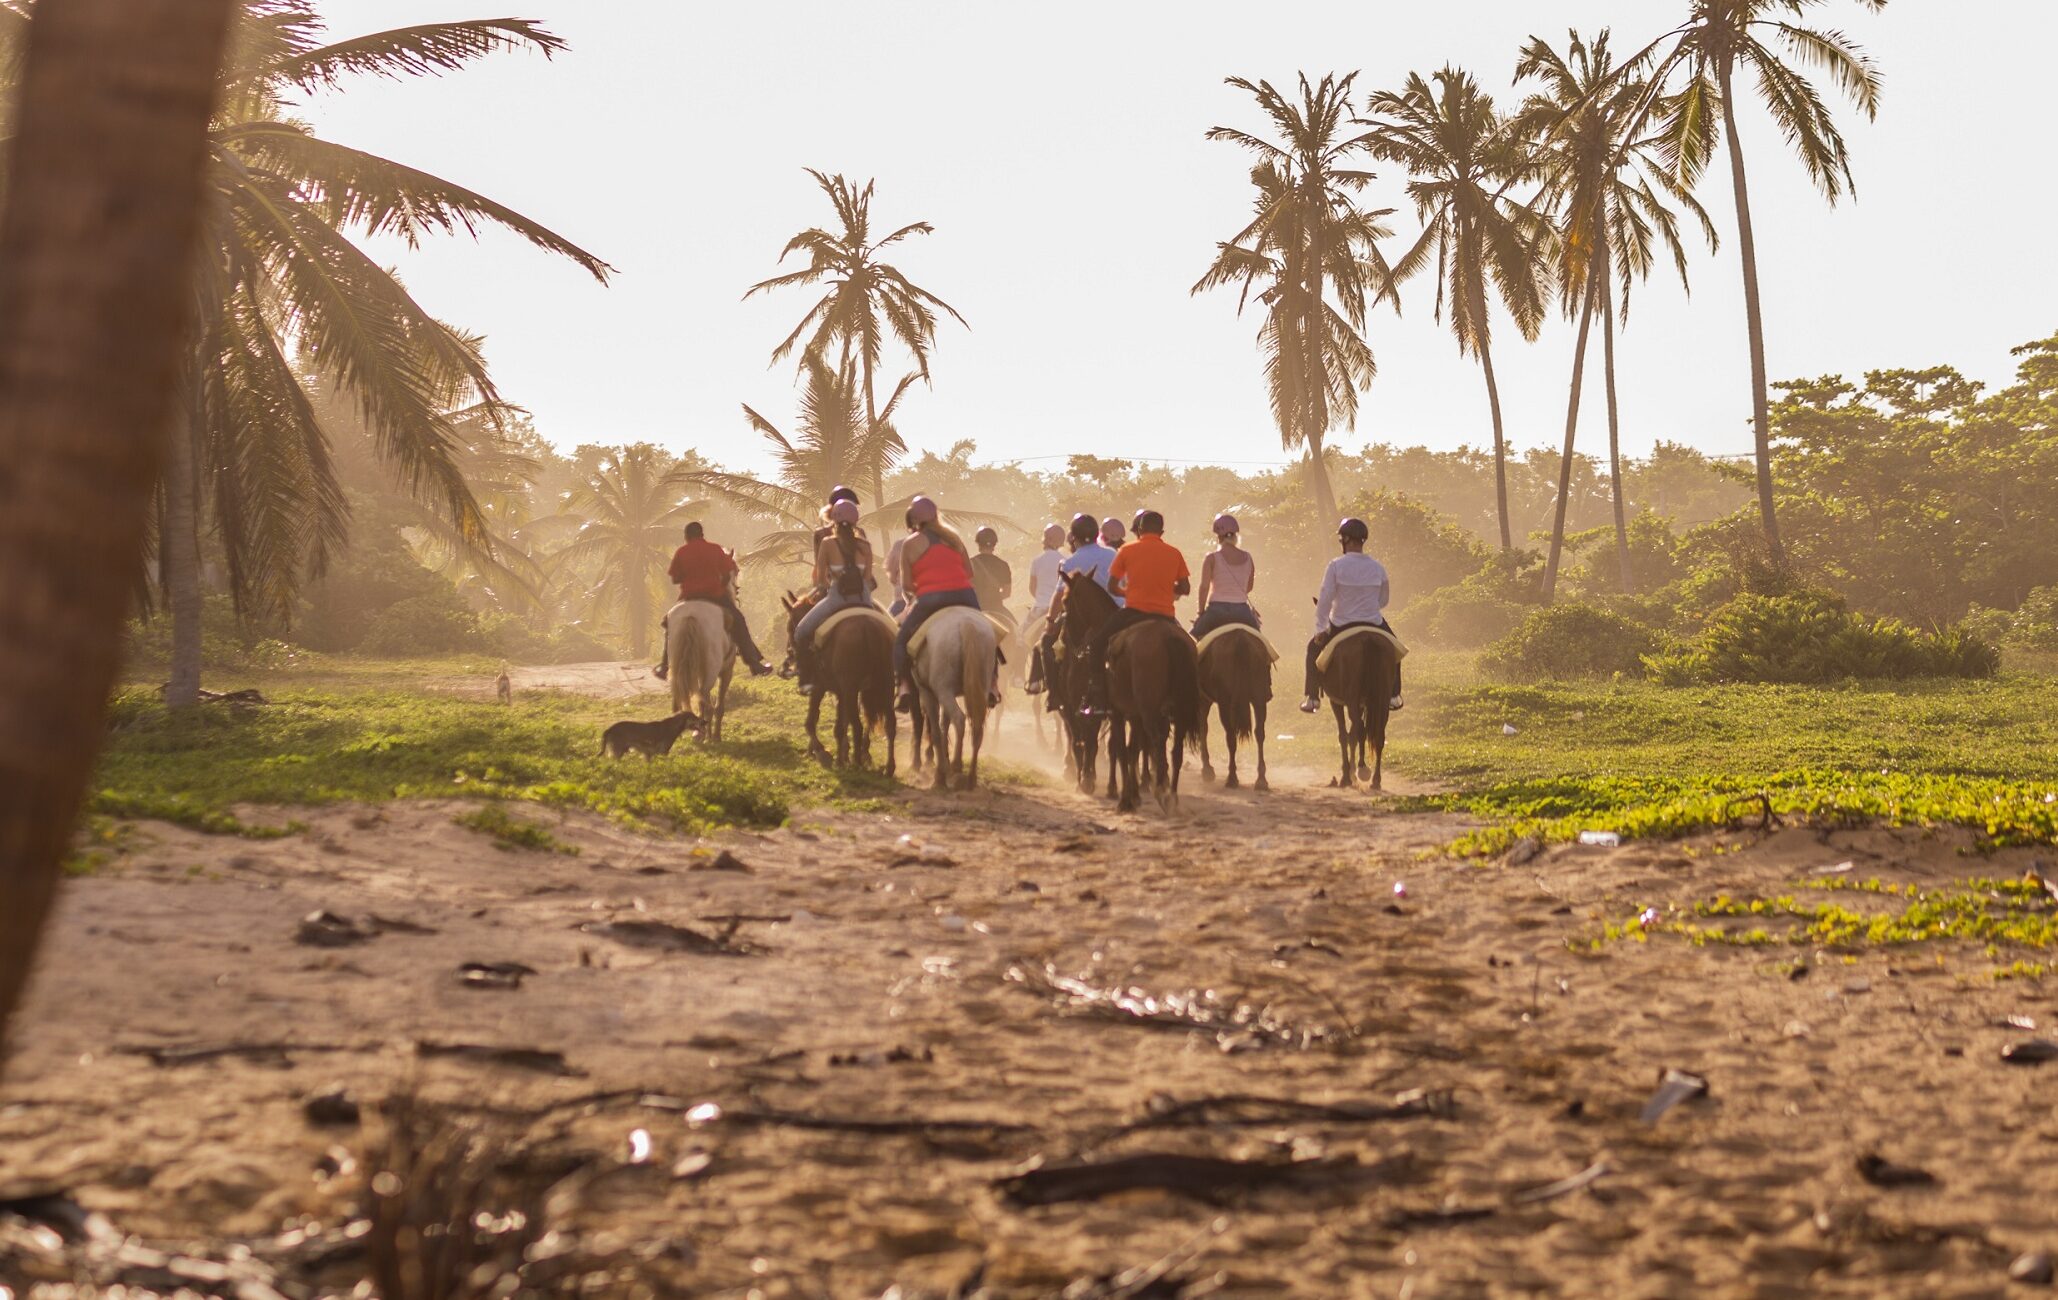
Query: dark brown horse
1359, 682
1236, 678
1154, 686
854, 662
1077, 610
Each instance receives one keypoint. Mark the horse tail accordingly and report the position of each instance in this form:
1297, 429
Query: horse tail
1189, 708
684, 669
975, 660
875, 668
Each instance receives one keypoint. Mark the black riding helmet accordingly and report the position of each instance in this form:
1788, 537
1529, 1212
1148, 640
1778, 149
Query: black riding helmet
1148, 521
1084, 528
842, 493
986, 537
1353, 530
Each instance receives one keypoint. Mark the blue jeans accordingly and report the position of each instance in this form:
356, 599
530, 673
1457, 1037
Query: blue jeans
924, 608
811, 621
1221, 613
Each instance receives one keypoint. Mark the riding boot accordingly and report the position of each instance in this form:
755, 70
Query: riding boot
905, 701
804, 665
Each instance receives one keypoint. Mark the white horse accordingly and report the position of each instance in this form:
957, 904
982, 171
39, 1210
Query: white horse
953, 668
700, 659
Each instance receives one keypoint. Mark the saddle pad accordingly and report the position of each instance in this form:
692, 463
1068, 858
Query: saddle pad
1322, 661
856, 611
922, 633
1230, 629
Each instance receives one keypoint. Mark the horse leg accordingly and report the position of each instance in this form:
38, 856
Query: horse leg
1343, 742
1361, 732
1118, 743
1161, 768
1229, 739
1258, 730
815, 749
722, 700
933, 723
1207, 763
978, 729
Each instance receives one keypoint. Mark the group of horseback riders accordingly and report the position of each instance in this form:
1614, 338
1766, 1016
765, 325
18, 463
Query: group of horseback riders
930, 569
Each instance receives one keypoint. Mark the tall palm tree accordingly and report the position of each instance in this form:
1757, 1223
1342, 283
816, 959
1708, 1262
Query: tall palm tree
633, 507
280, 276
865, 300
1463, 157
1609, 191
835, 434
95, 245
1309, 242
1691, 79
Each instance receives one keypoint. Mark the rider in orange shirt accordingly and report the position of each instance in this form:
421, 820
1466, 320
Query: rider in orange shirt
1150, 575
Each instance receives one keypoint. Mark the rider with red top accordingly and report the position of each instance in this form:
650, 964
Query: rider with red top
936, 569
705, 571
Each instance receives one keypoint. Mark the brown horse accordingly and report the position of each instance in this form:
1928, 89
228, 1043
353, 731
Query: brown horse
1078, 609
1236, 678
1154, 686
1359, 682
854, 662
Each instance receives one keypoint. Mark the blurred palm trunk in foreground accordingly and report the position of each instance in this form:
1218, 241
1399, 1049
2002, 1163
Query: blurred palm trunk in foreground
103, 200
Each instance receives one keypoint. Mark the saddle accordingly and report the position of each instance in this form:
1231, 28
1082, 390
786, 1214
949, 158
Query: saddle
1232, 629
1000, 631
1329, 651
855, 611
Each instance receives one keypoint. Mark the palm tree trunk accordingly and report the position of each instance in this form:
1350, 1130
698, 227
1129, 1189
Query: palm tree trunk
878, 466
96, 246
1761, 411
1319, 485
181, 560
639, 605
1615, 445
1586, 320
1493, 401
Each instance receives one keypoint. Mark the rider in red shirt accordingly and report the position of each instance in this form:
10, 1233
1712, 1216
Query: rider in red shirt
705, 571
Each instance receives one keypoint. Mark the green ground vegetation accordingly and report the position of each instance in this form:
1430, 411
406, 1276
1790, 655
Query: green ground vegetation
372, 731
1646, 760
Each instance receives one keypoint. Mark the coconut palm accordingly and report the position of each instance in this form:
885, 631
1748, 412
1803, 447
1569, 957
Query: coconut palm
284, 296
94, 252
836, 434
633, 507
1463, 157
865, 300
1609, 191
1309, 242
1691, 76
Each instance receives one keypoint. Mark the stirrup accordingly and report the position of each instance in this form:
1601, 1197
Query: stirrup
1396, 706
1310, 705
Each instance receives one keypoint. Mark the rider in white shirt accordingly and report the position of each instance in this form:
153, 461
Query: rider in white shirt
1354, 594
1045, 569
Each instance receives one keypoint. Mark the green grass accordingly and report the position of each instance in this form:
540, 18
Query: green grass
511, 832
1995, 914
1650, 761
373, 733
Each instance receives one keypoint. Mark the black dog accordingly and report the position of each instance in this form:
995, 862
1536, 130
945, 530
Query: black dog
650, 739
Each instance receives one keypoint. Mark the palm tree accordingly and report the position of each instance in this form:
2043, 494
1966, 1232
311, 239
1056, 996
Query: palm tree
279, 275
1310, 240
865, 300
1703, 54
1609, 191
1463, 157
103, 207
836, 434
633, 507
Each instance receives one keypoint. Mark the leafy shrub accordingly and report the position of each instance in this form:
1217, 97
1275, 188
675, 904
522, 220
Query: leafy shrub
1427, 549
226, 640
1654, 555
430, 624
2034, 626
1814, 637
1483, 608
1570, 640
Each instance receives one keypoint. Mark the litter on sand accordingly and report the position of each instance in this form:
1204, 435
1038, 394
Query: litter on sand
1602, 839
1674, 1086
1586, 1177
1203, 1178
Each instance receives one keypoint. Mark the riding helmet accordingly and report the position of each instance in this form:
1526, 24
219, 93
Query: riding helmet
1226, 526
1353, 530
1111, 530
1150, 521
842, 493
844, 511
1054, 534
986, 537
1085, 527
922, 510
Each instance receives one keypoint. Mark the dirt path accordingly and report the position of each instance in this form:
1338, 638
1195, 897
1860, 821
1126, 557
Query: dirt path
908, 980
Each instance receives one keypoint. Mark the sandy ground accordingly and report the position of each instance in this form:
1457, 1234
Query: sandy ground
906, 980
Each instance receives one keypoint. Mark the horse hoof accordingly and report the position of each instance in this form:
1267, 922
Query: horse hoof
1261, 785
1231, 784
1364, 773
1208, 775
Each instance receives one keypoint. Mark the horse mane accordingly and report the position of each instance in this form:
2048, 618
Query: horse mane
1088, 599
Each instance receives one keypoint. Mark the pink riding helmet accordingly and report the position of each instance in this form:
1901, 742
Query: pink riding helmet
1225, 526
922, 510
1111, 530
844, 512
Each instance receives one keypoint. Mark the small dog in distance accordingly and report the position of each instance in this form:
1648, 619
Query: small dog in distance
503, 686
650, 739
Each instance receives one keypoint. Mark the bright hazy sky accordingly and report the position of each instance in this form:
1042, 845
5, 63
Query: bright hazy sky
1057, 148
